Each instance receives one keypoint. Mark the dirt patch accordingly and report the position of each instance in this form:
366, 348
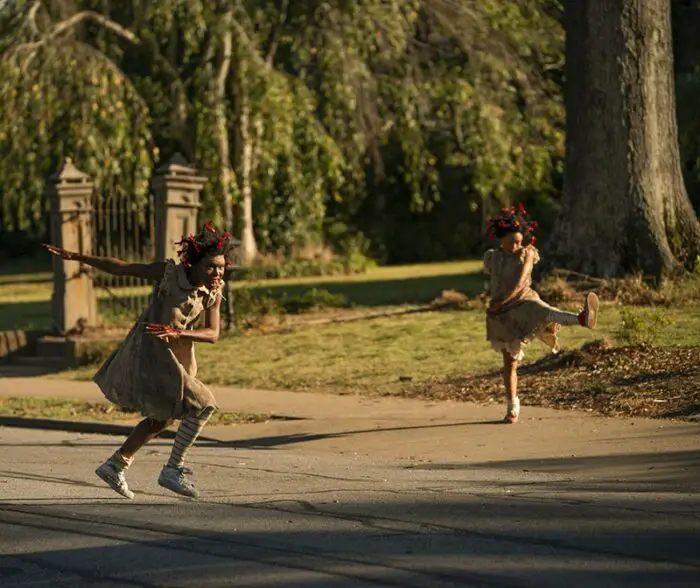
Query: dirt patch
631, 381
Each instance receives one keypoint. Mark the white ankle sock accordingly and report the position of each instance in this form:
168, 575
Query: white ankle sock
514, 405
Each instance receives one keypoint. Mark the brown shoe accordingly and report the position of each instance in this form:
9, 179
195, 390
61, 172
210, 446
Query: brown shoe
589, 315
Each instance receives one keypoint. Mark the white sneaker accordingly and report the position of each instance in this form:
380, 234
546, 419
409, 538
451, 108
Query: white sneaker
115, 478
175, 479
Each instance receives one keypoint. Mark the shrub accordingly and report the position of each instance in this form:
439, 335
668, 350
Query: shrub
638, 325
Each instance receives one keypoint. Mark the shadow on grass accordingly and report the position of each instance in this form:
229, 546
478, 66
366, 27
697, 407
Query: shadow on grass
367, 292
25, 315
385, 292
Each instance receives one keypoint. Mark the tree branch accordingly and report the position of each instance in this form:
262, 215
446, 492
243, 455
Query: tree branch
129, 36
275, 36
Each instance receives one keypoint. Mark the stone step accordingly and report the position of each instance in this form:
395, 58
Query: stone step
55, 347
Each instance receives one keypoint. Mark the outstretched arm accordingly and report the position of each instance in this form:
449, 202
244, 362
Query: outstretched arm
209, 334
149, 271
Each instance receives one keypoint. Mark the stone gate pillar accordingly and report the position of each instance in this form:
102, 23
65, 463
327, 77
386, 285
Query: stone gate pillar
177, 189
74, 305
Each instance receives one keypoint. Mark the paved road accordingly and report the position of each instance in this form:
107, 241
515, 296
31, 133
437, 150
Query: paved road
293, 518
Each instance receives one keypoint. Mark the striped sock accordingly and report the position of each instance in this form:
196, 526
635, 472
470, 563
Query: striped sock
187, 433
563, 318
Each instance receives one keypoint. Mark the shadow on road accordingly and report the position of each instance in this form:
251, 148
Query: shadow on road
464, 541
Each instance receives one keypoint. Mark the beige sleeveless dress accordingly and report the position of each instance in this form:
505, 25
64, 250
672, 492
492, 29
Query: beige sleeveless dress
159, 378
525, 318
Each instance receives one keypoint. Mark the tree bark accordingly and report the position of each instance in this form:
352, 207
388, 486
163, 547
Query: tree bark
624, 207
222, 131
245, 145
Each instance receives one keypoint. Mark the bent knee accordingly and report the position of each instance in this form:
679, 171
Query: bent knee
159, 425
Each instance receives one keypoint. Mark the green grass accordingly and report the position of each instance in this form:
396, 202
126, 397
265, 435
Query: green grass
75, 410
369, 356
385, 286
381, 355
25, 299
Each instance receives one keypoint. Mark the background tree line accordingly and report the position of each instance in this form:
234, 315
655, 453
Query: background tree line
389, 128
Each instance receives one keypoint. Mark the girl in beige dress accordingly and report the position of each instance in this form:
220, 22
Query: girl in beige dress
516, 315
154, 370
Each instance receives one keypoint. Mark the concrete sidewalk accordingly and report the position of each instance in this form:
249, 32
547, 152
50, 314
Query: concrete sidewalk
449, 434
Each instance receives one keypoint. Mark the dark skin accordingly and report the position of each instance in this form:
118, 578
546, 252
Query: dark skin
511, 244
209, 272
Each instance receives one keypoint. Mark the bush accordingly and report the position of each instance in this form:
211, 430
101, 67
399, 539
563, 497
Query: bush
253, 309
314, 299
353, 260
638, 325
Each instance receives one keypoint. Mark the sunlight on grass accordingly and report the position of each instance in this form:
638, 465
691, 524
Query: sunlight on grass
376, 356
382, 355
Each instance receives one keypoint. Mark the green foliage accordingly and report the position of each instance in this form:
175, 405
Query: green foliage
313, 299
333, 110
253, 308
353, 262
639, 325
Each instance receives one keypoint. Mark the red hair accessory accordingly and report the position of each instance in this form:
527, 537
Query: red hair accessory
194, 243
208, 226
521, 208
225, 237
533, 241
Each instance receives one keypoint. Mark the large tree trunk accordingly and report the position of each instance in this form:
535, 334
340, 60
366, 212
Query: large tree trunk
624, 208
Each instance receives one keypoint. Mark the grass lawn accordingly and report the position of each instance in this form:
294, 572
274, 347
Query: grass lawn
377, 356
383, 356
25, 299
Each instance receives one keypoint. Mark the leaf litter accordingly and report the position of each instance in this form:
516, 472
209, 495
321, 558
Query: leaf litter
640, 380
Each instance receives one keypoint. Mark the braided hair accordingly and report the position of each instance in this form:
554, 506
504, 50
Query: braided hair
209, 241
512, 220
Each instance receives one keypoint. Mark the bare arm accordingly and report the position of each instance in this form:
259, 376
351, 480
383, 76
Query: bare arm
209, 334
149, 271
